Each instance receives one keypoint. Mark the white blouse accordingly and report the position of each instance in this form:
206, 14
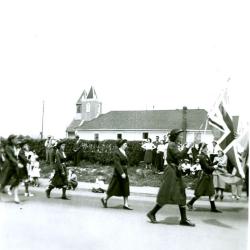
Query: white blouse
148, 146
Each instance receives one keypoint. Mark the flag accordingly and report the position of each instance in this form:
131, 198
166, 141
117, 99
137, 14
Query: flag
224, 130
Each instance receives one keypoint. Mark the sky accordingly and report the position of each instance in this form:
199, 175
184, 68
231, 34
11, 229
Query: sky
137, 54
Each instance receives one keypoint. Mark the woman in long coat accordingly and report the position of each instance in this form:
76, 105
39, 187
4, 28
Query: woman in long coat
205, 186
119, 184
60, 179
172, 190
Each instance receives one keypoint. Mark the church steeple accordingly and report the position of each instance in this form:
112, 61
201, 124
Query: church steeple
82, 97
92, 94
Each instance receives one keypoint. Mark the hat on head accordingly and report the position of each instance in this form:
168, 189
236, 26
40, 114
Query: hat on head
11, 137
22, 142
174, 133
121, 142
59, 143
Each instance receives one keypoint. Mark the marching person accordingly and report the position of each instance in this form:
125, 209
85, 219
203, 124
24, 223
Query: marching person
12, 167
119, 184
3, 164
23, 172
60, 179
205, 186
172, 190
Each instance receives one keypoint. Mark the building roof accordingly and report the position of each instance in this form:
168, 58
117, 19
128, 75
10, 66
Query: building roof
73, 125
147, 119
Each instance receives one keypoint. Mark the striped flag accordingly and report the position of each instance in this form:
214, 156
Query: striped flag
225, 131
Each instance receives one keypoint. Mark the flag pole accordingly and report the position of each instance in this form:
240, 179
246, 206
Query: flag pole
42, 120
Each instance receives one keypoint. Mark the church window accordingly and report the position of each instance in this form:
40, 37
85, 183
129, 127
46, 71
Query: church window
79, 108
96, 137
145, 135
88, 107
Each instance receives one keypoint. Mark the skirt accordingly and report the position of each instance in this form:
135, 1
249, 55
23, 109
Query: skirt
205, 186
118, 186
59, 180
148, 156
172, 189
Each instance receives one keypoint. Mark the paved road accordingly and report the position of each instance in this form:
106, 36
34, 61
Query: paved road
39, 223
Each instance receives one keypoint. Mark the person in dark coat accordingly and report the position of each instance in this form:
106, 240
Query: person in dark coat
119, 184
23, 172
12, 167
172, 190
205, 186
3, 161
60, 179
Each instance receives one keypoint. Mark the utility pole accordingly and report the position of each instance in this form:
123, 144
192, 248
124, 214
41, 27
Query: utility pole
42, 121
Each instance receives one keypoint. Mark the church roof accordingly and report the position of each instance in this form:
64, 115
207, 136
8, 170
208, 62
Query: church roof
73, 125
92, 94
84, 95
147, 119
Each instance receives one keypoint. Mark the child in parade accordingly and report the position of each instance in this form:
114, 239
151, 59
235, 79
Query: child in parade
205, 186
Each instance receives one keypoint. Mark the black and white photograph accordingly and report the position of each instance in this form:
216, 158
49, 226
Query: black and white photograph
124, 125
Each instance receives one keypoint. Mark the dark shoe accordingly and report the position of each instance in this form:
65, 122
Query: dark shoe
190, 207
65, 198
187, 223
47, 191
104, 203
215, 211
216, 196
151, 217
127, 208
221, 197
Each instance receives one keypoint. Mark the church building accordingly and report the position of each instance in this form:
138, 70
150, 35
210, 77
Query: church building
90, 124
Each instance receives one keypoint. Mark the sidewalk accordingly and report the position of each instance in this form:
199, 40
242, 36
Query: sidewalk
142, 191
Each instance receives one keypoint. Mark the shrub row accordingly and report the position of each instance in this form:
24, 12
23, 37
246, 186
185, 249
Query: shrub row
93, 151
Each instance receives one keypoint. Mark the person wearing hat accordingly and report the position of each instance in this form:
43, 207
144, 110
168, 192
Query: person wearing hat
172, 190
205, 186
23, 172
60, 179
13, 164
119, 184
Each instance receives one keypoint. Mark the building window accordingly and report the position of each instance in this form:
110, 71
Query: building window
78, 108
96, 137
88, 107
119, 136
145, 135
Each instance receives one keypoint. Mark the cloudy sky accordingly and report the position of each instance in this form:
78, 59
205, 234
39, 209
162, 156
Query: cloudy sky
137, 54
